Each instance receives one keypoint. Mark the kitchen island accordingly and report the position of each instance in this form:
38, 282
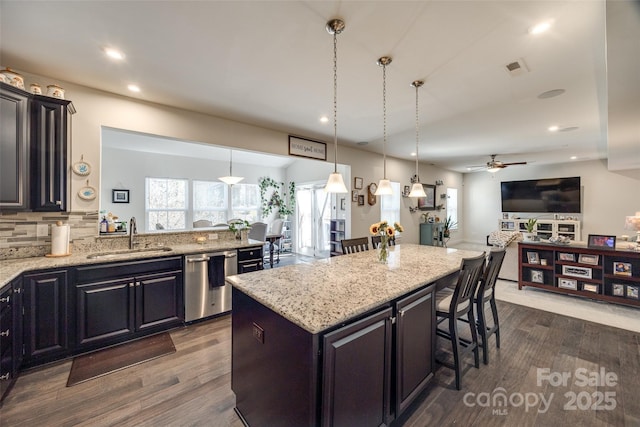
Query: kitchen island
341, 341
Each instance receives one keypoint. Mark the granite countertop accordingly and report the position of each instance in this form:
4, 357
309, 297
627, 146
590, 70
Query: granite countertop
11, 268
325, 293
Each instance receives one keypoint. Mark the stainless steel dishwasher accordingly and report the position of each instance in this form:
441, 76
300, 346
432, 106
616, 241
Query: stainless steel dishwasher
205, 291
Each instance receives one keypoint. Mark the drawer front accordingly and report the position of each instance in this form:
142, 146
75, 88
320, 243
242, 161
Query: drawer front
248, 266
247, 254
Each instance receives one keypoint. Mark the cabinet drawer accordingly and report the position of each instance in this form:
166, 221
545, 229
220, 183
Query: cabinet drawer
247, 254
248, 266
116, 270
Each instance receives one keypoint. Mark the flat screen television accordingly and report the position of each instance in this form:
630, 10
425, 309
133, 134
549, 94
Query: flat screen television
553, 195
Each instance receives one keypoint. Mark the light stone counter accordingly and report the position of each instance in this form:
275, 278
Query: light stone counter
11, 268
328, 292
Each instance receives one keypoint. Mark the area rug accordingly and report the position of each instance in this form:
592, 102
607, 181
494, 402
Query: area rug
114, 359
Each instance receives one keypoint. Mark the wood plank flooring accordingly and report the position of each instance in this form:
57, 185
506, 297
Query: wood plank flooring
192, 386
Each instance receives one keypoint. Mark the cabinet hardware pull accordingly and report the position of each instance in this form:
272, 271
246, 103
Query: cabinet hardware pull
5, 299
58, 202
231, 256
401, 313
131, 284
250, 265
5, 333
4, 377
199, 259
17, 290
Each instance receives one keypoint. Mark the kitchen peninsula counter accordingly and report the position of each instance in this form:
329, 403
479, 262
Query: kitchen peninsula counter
342, 341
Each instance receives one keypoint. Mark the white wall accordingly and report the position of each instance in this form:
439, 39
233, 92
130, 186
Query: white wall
607, 197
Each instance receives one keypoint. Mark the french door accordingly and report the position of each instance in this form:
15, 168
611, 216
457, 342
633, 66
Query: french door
314, 215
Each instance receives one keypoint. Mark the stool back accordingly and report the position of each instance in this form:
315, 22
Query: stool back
468, 279
487, 285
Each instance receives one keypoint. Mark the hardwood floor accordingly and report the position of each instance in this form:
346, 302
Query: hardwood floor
192, 386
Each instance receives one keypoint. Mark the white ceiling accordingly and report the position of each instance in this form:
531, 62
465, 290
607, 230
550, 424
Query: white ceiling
270, 63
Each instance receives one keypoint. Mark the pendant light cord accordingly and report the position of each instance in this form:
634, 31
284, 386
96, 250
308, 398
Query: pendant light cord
230, 162
335, 101
384, 120
417, 133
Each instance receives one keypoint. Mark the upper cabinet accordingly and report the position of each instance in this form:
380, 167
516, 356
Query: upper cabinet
34, 156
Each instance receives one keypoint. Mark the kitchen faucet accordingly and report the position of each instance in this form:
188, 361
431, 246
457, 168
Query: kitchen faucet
133, 230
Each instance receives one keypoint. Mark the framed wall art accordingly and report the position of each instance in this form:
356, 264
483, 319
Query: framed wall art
120, 196
570, 270
601, 241
588, 259
537, 276
428, 203
357, 183
567, 283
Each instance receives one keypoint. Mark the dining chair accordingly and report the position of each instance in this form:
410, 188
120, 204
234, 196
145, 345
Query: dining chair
350, 246
375, 241
456, 306
276, 229
202, 223
258, 231
486, 294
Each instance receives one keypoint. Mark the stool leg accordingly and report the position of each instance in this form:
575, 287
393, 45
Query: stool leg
455, 345
474, 337
482, 330
496, 324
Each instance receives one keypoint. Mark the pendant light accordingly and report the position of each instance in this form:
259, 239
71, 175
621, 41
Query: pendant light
231, 180
335, 183
384, 185
417, 190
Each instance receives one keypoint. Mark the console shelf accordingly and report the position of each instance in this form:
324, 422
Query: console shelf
606, 275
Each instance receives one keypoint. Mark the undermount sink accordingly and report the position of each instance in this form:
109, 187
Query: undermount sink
127, 251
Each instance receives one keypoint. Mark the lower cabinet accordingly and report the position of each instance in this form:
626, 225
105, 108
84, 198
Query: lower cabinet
116, 302
250, 259
10, 335
45, 316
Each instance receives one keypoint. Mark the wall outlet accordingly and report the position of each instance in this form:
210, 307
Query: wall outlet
213, 236
42, 230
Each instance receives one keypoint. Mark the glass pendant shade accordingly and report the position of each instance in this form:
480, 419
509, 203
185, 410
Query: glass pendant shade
384, 188
335, 184
417, 190
231, 180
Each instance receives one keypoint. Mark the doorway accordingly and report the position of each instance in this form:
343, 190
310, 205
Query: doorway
314, 215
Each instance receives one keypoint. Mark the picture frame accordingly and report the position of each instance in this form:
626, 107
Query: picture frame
563, 256
119, 196
302, 147
428, 203
360, 199
357, 183
575, 271
342, 207
354, 196
632, 292
617, 289
588, 259
591, 287
533, 258
601, 241
622, 268
567, 283
406, 191
537, 276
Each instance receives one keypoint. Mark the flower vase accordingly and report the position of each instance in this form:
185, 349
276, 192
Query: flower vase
383, 249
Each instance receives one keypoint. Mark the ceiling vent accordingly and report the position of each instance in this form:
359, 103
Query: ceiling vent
516, 68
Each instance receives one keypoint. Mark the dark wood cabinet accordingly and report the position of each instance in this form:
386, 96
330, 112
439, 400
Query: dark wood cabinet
356, 384
10, 335
415, 340
14, 148
250, 259
116, 302
45, 316
49, 154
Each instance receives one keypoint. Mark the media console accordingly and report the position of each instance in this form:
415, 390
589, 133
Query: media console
608, 275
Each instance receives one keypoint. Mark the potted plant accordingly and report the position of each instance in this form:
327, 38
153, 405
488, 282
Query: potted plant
530, 235
449, 223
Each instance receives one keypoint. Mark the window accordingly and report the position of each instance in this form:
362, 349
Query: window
452, 206
245, 202
166, 203
210, 201
390, 205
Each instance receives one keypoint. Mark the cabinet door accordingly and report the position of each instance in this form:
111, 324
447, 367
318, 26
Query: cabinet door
14, 148
415, 342
104, 310
45, 314
357, 373
159, 300
49, 155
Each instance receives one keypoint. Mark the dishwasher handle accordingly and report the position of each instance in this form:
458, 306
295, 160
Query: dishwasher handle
206, 259
231, 255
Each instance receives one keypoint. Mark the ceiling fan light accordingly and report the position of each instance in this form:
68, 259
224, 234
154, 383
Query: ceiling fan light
417, 190
493, 169
384, 188
335, 184
231, 180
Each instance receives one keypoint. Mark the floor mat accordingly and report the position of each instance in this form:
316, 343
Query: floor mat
114, 359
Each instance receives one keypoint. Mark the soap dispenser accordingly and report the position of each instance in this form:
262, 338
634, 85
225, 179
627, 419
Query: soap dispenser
104, 225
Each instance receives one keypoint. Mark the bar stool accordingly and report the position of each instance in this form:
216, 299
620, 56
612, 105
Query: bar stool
350, 246
375, 241
486, 293
457, 306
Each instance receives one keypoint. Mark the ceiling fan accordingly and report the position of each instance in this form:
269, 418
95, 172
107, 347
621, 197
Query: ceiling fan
495, 165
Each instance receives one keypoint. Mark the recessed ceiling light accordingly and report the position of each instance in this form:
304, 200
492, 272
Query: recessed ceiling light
324, 119
573, 157
540, 28
113, 53
133, 88
553, 128
413, 154
551, 93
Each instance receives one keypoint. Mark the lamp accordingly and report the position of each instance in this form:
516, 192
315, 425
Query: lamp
417, 190
384, 185
633, 223
231, 180
335, 183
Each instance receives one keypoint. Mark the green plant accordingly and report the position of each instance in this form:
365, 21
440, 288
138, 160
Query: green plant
238, 225
530, 225
449, 223
283, 204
